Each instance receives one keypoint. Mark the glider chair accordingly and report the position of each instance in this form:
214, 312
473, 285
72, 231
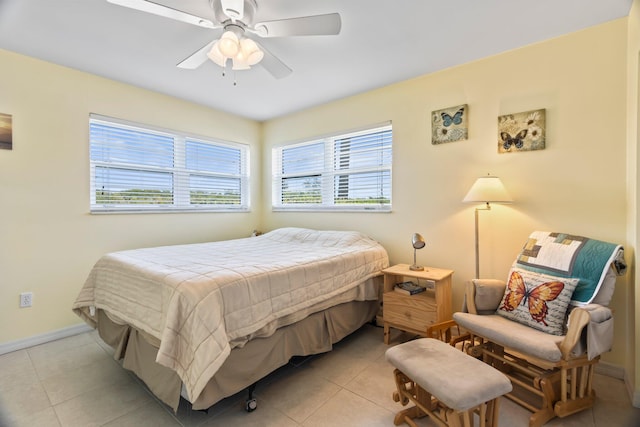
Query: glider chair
546, 327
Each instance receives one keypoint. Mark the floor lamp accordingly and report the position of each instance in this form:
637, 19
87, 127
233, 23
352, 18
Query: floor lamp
486, 189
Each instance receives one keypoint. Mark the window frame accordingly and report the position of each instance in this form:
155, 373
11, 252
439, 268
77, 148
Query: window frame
181, 189
329, 173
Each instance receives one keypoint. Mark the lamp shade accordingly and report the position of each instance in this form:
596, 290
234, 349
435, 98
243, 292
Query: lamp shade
417, 241
488, 189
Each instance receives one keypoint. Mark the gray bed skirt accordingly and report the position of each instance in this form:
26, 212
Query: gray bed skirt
245, 365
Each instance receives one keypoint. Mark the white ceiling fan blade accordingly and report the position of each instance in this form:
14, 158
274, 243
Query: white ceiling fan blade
167, 12
317, 25
234, 9
273, 65
197, 58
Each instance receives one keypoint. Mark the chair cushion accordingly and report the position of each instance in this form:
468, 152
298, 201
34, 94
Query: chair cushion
537, 300
488, 295
513, 335
456, 379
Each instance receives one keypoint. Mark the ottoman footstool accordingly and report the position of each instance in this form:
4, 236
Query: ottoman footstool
446, 384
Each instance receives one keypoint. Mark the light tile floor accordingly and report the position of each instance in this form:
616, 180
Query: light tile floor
75, 382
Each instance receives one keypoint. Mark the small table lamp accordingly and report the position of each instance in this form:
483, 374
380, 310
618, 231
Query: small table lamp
418, 243
486, 189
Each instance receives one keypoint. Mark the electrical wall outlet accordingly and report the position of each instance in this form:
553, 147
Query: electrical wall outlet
26, 299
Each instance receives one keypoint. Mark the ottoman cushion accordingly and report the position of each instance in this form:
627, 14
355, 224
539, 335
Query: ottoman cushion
455, 378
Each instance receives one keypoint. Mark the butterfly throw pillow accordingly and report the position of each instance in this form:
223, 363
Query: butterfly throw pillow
537, 300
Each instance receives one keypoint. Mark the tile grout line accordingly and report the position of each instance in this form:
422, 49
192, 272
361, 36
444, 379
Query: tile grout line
33, 366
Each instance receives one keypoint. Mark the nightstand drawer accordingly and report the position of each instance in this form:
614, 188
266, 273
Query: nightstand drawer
414, 312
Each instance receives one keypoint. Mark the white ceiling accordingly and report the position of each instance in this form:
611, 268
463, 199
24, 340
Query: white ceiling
381, 42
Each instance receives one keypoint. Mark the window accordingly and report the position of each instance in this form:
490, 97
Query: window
344, 172
145, 169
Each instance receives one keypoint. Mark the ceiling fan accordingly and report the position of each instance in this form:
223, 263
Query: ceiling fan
236, 18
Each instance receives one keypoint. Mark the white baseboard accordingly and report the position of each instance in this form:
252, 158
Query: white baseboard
611, 370
619, 372
633, 394
20, 344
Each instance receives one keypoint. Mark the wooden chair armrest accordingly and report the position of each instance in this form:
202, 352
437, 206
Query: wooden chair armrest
442, 331
578, 319
460, 339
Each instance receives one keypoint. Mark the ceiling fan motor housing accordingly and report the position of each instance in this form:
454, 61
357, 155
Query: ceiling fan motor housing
234, 10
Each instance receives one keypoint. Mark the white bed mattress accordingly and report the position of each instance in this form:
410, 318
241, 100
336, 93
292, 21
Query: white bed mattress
201, 300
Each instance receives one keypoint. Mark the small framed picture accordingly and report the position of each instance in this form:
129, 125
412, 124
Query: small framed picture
449, 124
6, 132
521, 131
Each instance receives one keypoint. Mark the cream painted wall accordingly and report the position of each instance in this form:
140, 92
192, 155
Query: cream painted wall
49, 240
633, 138
576, 185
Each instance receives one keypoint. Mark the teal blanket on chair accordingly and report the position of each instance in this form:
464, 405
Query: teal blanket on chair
566, 255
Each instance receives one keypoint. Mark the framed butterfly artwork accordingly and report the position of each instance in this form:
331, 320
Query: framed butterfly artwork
449, 124
521, 131
6, 133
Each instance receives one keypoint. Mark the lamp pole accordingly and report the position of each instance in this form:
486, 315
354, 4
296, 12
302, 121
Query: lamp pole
486, 208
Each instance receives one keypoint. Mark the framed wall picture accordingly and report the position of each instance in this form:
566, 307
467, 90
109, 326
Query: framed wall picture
449, 124
6, 132
521, 131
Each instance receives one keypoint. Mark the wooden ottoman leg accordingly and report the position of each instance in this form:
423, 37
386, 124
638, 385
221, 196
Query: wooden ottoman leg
458, 419
493, 412
404, 387
406, 416
489, 413
408, 391
467, 418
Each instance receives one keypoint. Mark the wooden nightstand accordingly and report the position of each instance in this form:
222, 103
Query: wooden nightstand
414, 313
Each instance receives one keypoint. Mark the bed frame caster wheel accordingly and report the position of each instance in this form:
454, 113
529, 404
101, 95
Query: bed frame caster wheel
251, 405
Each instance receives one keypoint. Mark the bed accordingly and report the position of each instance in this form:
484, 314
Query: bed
207, 320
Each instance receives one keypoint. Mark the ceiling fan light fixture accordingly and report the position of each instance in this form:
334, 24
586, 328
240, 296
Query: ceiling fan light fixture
240, 63
216, 56
251, 51
229, 44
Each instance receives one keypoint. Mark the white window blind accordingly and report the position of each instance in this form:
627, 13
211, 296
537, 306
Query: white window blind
135, 168
343, 172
